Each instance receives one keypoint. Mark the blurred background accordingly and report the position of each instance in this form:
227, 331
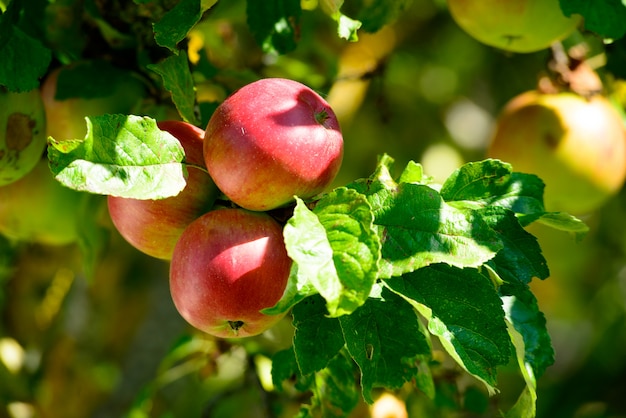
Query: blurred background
100, 337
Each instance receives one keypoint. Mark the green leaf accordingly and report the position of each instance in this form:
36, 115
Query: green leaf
317, 338
378, 13
414, 173
177, 79
335, 391
521, 258
560, 221
89, 80
464, 311
127, 156
385, 339
176, 23
275, 24
418, 228
525, 407
493, 183
24, 59
604, 17
347, 28
522, 311
335, 251
284, 367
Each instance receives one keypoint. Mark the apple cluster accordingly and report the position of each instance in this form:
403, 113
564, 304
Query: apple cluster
268, 142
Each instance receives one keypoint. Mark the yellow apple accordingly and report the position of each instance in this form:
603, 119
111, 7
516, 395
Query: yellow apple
513, 25
576, 145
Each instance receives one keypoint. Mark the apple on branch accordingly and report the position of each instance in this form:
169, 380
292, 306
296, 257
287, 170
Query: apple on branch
575, 144
227, 266
153, 226
271, 140
522, 26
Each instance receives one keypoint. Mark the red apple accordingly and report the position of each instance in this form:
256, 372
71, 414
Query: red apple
576, 145
270, 140
153, 226
227, 266
513, 25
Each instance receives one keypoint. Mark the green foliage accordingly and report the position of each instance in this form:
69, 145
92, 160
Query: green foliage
178, 81
605, 17
24, 58
388, 270
175, 24
127, 156
274, 24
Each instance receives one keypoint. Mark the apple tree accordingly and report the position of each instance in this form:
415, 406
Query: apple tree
238, 212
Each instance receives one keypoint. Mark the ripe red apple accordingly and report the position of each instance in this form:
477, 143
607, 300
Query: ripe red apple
270, 140
513, 25
228, 265
576, 145
37, 208
154, 226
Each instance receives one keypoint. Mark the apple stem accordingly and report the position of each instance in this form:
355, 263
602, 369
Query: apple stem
321, 117
199, 167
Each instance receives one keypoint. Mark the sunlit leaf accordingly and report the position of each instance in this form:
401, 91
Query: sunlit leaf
335, 251
127, 156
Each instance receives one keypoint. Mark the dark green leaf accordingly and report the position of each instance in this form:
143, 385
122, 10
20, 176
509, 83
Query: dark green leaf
493, 183
24, 61
385, 339
89, 80
317, 338
175, 24
284, 367
127, 156
378, 13
464, 310
521, 258
177, 79
520, 306
604, 17
275, 24
335, 391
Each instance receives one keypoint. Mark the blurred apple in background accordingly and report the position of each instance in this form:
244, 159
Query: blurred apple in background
154, 226
22, 133
576, 145
514, 25
37, 208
